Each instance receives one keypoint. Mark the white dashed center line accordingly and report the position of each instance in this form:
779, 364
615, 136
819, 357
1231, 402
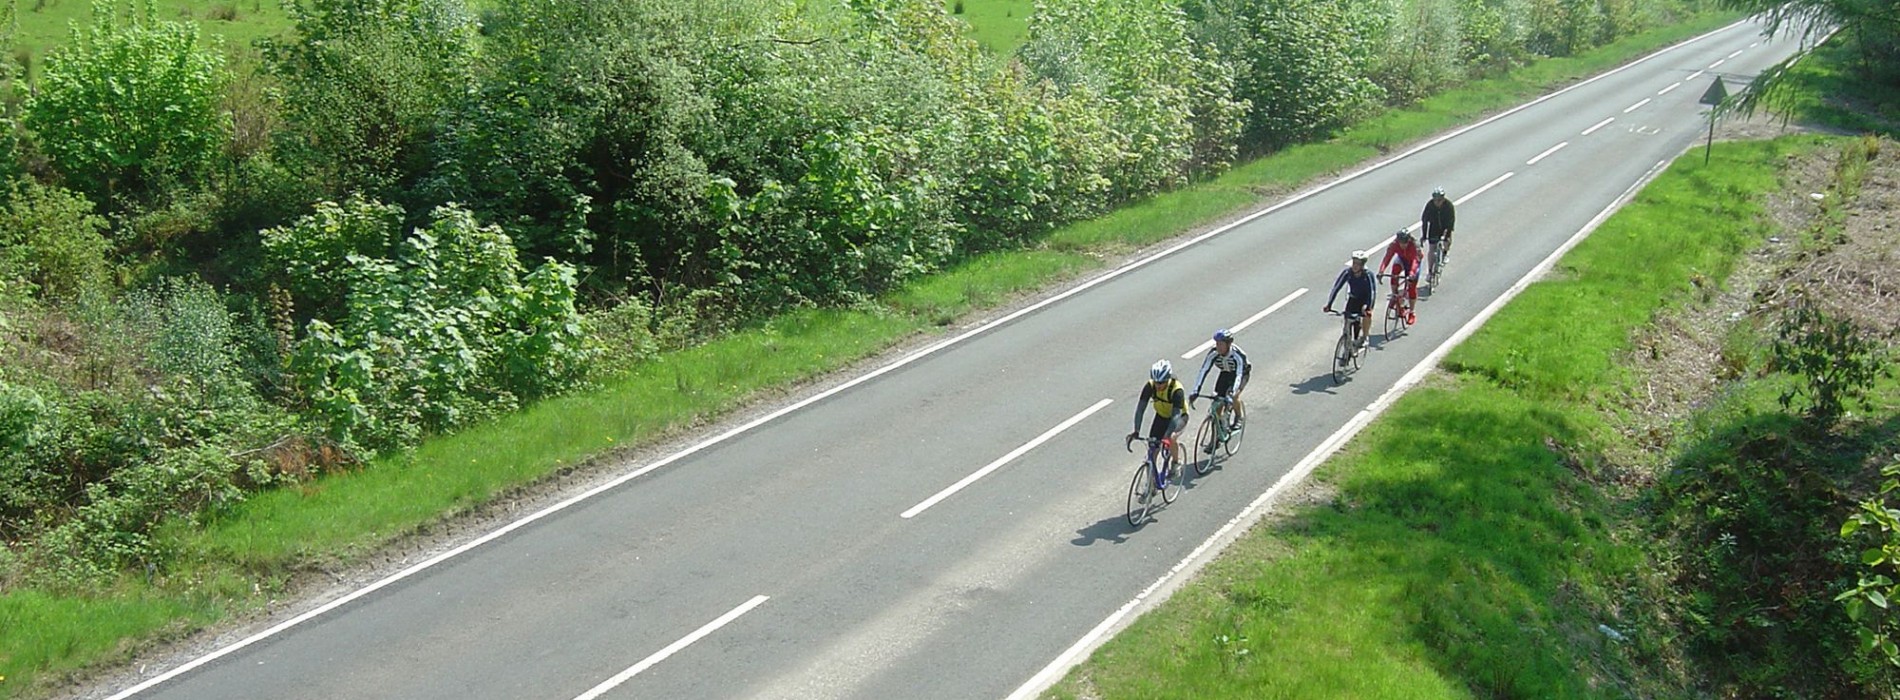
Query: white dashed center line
1546, 153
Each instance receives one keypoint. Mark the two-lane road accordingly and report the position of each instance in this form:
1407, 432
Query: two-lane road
951, 526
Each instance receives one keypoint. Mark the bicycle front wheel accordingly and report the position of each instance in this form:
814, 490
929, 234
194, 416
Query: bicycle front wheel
1206, 441
1172, 490
1394, 317
1141, 493
1239, 430
1342, 358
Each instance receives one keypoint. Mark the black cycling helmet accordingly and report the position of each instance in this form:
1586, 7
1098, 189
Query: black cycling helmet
1404, 234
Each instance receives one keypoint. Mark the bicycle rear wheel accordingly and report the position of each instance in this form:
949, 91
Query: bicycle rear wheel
1141, 493
1206, 441
1239, 430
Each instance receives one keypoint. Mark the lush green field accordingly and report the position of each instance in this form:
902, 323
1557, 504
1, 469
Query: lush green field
1464, 552
238, 559
45, 24
999, 25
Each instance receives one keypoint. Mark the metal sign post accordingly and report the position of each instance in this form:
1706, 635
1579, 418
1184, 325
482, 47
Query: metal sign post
1712, 97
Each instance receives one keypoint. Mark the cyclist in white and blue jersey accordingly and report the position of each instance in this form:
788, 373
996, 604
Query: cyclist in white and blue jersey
1233, 365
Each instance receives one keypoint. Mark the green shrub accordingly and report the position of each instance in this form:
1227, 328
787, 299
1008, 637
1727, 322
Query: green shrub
51, 239
130, 105
445, 332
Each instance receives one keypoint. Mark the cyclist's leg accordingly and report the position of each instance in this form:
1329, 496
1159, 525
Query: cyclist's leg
1362, 307
1157, 429
1175, 426
1222, 385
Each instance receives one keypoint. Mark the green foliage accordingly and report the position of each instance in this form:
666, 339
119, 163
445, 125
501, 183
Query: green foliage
51, 239
1835, 359
1160, 90
365, 83
1870, 603
130, 106
446, 331
313, 252
1301, 65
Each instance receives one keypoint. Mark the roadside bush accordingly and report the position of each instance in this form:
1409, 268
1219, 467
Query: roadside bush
50, 238
1302, 66
365, 84
445, 331
311, 255
129, 106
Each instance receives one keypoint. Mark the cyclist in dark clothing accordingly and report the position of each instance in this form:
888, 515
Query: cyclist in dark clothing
1438, 219
1361, 284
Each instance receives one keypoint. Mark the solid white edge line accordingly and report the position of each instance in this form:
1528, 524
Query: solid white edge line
1005, 459
1634, 107
894, 365
1599, 125
1474, 193
1666, 90
1236, 328
1693, 76
1546, 153
673, 648
1204, 553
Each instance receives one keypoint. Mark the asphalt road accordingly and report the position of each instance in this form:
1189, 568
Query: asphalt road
779, 563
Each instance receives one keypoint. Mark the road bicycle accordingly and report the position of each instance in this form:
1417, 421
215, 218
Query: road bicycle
1398, 307
1157, 473
1435, 262
1348, 353
1216, 433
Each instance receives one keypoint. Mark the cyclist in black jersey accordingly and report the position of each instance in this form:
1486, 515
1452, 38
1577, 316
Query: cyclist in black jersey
1438, 219
1233, 365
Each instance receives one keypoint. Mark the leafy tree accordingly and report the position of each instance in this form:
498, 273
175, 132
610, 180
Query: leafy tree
1302, 65
130, 105
366, 83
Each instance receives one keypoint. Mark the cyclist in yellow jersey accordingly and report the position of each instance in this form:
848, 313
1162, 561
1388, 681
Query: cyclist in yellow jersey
1171, 405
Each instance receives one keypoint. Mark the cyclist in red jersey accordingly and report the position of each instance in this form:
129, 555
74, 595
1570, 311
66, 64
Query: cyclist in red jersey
1406, 250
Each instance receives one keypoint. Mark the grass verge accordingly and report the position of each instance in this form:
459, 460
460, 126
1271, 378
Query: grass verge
237, 560
1465, 550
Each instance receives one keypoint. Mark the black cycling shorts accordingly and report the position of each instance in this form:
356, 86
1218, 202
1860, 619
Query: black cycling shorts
1163, 427
1356, 305
1224, 383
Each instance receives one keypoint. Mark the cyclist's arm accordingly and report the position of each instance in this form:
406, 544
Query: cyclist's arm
1337, 283
1141, 405
1207, 363
1180, 404
1451, 215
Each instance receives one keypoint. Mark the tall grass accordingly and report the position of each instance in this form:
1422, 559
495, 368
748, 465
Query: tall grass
1465, 552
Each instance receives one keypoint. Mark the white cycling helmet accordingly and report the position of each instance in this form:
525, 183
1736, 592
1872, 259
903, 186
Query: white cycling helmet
1359, 255
1438, 191
1161, 371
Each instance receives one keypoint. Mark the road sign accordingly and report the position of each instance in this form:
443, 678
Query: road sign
1716, 93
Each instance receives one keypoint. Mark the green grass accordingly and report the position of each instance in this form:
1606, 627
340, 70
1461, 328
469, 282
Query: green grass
1465, 554
1827, 89
45, 24
999, 25
238, 558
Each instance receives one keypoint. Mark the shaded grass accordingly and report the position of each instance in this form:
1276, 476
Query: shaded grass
338, 517
1827, 88
1466, 552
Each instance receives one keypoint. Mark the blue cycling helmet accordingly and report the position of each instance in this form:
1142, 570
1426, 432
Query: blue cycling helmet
1223, 335
1161, 371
